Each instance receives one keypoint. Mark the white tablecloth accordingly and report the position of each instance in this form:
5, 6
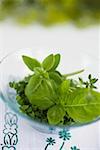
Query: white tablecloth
23, 137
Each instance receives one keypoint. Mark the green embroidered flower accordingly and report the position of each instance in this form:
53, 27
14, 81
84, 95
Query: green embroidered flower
65, 135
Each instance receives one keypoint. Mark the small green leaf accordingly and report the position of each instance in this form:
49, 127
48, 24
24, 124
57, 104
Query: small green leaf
55, 114
56, 63
48, 62
64, 87
89, 76
41, 72
94, 80
31, 63
32, 115
19, 99
24, 107
81, 80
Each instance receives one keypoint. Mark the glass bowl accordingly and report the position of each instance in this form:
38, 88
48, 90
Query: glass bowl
12, 68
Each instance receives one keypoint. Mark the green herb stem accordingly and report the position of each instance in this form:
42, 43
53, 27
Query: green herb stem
73, 73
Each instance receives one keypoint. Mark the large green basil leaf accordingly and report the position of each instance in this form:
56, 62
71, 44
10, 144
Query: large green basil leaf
83, 105
33, 84
31, 63
48, 62
55, 114
40, 92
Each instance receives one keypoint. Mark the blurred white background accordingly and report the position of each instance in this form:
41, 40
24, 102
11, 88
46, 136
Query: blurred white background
65, 38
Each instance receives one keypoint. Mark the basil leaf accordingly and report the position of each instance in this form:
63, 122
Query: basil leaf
40, 92
56, 63
56, 77
64, 87
41, 72
55, 114
83, 105
48, 62
31, 63
33, 84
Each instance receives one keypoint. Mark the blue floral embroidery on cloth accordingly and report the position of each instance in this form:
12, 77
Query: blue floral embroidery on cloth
64, 135
11, 138
10, 131
50, 141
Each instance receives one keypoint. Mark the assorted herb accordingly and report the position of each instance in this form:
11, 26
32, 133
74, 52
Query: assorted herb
51, 97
